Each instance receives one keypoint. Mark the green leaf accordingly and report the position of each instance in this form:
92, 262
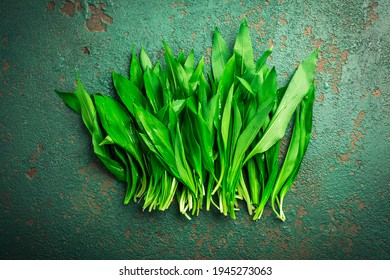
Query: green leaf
271, 156
220, 54
250, 110
211, 111
254, 183
128, 92
227, 80
136, 72
183, 168
243, 49
179, 131
134, 178
89, 116
204, 92
246, 85
248, 135
256, 78
70, 99
237, 125
297, 148
107, 141
148, 143
288, 164
114, 167
298, 87
306, 117
262, 60
88, 111
181, 58
121, 155
153, 89
197, 76
191, 146
192, 104
267, 90
225, 123
178, 105
158, 135
171, 65
158, 70
189, 65
118, 124
176, 71
269, 87
206, 142
145, 60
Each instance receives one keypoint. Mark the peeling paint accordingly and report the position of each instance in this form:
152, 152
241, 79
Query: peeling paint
298, 221
377, 93
99, 19
96, 19
258, 26
6, 65
321, 97
31, 173
178, 4
359, 119
321, 65
68, 8
355, 136
308, 30
86, 51
282, 20
271, 43
372, 14
331, 61
34, 156
51, 5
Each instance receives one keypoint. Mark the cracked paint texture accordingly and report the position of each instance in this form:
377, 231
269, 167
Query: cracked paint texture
58, 202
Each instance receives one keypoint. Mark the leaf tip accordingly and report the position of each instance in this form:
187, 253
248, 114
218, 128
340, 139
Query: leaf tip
76, 70
315, 53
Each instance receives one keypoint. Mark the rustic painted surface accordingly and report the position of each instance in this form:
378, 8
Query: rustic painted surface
58, 202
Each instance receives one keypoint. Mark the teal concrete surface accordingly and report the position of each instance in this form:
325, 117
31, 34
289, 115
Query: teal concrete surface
58, 202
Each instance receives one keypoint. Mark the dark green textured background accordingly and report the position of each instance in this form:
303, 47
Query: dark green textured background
58, 202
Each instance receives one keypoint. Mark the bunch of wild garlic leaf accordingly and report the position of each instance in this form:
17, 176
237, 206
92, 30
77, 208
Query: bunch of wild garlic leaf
211, 139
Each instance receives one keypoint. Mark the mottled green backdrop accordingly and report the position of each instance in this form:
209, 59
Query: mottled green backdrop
58, 202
